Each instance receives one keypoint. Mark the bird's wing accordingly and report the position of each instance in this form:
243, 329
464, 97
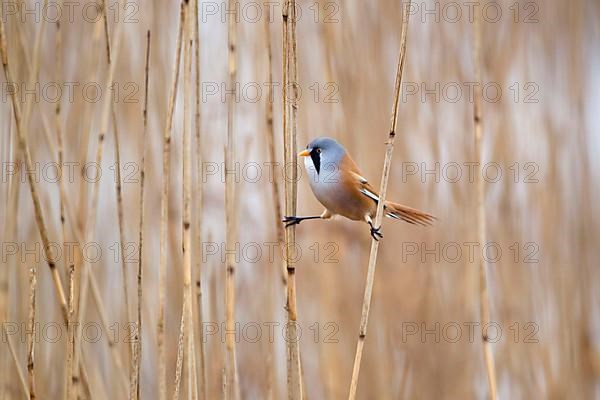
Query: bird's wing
364, 187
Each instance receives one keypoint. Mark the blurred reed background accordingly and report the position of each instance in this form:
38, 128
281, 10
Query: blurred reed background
543, 289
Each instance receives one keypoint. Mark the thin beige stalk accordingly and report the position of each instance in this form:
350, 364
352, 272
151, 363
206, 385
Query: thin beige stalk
270, 138
186, 350
31, 333
364, 320
57, 118
481, 222
231, 391
179, 363
192, 388
164, 213
9, 233
199, 207
69, 393
271, 142
18, 367
135, 391
290, 109
35, 71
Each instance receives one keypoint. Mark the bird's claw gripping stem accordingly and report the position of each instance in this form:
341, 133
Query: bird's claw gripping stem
375, 232
291, 221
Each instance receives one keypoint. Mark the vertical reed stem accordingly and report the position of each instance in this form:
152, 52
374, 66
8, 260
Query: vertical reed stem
137, 353
199, 207
271, 142
31, 332
290, 108
481, 222
364, 320
230, 212
164, 213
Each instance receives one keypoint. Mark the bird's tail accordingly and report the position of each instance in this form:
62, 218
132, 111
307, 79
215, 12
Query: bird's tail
407, 214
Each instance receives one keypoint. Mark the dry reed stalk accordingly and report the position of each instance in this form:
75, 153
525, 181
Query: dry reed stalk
364, 320
179, 363
164, 214
35, 72
187, 212
18, 368
231, 390
90, 225
290, 108
31, 332
121, 223
57, 118
186, 350
106, 31
270, 136
137, 339
271, 142
199, 207
9, 233
70, 336
481, 222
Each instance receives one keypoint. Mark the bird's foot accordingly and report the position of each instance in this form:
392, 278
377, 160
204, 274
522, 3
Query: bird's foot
375, 232
289, 221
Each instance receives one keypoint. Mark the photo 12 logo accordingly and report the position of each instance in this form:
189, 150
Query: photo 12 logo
453, 12
254, 12
70, 11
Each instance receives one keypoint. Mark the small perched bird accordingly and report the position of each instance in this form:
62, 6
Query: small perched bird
339, 185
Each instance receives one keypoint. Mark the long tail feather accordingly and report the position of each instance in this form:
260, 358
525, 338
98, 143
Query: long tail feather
407, 214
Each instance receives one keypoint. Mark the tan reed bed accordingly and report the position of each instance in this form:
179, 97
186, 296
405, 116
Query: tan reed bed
366, 307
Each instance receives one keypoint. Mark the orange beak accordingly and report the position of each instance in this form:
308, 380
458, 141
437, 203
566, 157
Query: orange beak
304, 153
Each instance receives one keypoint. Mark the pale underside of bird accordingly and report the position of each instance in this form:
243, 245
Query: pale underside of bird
338, 184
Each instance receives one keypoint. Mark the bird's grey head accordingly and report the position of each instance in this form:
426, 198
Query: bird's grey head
324, 152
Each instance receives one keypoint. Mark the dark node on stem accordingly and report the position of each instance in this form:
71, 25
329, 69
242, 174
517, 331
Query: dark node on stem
186, 225
101, 137
198, 284
230, 269
168, 140
291, 270
62, 219
51, 265
477, 118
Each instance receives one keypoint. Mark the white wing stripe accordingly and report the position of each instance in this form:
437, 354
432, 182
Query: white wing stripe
370, 194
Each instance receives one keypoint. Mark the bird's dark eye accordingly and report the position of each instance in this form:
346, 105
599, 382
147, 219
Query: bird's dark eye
318, 150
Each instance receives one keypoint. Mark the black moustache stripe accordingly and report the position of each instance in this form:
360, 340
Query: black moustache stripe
316, 159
